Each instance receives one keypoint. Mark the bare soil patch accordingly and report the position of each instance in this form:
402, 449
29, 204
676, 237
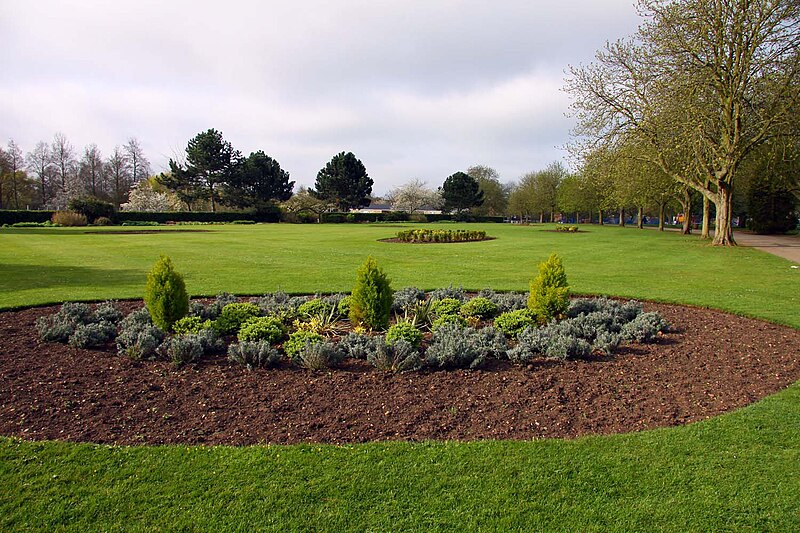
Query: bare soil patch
713, 363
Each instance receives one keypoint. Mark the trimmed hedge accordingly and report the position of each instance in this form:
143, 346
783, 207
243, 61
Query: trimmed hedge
400, 216
12, 217
199, 216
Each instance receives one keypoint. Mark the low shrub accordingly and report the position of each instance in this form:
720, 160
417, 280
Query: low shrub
446, 306
190, 324
371, 299
139, 223
60, 326
165, 294
233, 315
443, 320
243, 222
279, 303
92, 208
319, 355
258, 354
359, 346
298, 340
107, 312
406, 298
406, 332
549, 295
550, 342
513, 323
343, 307
567, 229
314, 307
102, 221
398, 356
644, 328
506, 301
262, 328
138, 337
182, 349
92, 335
479, 307
440, 235
453, 346
449, 292
68, 218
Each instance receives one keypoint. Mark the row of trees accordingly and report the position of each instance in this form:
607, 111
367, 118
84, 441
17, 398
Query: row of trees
702, 91
52, 173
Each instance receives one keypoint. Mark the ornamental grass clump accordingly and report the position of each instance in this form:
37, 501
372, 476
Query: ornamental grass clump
549, 295
165, 294
371, 299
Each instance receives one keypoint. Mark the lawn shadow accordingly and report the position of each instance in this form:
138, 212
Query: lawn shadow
15, 277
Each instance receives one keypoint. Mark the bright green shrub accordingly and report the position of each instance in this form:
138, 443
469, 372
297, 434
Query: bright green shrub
371, 299
234, 315
479, 307
513, 323
446, 306
297, 342
443, 320
549, 296
165, 294
314, 307
262, 328
404, 331
343, 307
190, 324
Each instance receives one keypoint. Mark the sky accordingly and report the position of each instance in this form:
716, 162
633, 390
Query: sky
415, 89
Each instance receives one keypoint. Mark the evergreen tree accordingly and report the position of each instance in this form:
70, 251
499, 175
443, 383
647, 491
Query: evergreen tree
460, 192
345, 182
258, 182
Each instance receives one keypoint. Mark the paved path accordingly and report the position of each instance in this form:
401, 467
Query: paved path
786, 246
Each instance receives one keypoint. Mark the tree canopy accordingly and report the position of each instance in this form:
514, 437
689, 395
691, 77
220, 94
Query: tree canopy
258, 181
460, 192
344, 181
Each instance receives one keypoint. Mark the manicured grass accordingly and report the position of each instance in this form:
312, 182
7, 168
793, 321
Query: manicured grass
39, 265
740, 471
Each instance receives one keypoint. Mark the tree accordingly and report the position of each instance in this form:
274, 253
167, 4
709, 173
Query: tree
495, 194
708, 80
460, 192
210, 163
305, 201
66, 170
537, 192
137, 162
258, 182
40, 165
16, 181
143, 197
345, 182
92, 171
119, 176
413, 196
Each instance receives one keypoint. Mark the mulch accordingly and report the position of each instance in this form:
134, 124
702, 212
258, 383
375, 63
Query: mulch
714, 362
400, 241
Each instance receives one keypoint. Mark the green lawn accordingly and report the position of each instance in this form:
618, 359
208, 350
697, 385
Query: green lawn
740, 471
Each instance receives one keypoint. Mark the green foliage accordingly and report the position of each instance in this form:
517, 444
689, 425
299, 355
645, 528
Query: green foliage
446, 306
460, 192
406, 332
68, 218
102, 221
165, 294
443, 320
258, 354
441, 235
262, 328
138, 338
567, 229
454, 346
233, 315
314, 307
343, 307
182, 349
513, 323
344, 181
770, 206
92, 208
257, 182
190, 324
298, 340
549, 296
371, 299
479, 307
398, 356
319, 355
92, 335
358, 346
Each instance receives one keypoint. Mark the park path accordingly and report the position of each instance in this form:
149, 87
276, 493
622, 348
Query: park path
786, 246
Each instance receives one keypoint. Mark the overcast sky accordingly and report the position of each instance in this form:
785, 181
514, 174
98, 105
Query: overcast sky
416, 89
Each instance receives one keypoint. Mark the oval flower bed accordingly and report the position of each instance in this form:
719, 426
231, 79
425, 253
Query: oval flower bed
440, 236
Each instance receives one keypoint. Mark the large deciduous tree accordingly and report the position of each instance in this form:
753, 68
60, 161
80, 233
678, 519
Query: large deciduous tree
211, 162
344, 181
413, 196
460, 192
118, 169
65, 166
708, 81
258, 182
40, 165
92, 171
495, 194
137, 161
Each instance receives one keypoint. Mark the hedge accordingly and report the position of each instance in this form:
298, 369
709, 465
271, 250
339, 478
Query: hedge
400, 216
12, 217
198, 216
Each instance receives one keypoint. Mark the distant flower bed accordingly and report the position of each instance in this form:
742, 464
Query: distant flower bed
567, 229
440, 235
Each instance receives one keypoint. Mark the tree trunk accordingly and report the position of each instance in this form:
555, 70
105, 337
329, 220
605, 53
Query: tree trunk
622, 217
706, 217
541, 217
640, 218
576, 217
600, 214
723, 233
686, 204
662, 212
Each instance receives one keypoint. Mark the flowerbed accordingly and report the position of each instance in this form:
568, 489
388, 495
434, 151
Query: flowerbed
440, 235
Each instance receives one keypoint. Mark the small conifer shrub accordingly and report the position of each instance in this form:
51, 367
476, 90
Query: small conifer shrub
234, 315
165, 294
371, 300
549, 296
404, 331
480, 307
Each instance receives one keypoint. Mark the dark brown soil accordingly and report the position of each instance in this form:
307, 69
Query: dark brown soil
399, 241
714, 363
